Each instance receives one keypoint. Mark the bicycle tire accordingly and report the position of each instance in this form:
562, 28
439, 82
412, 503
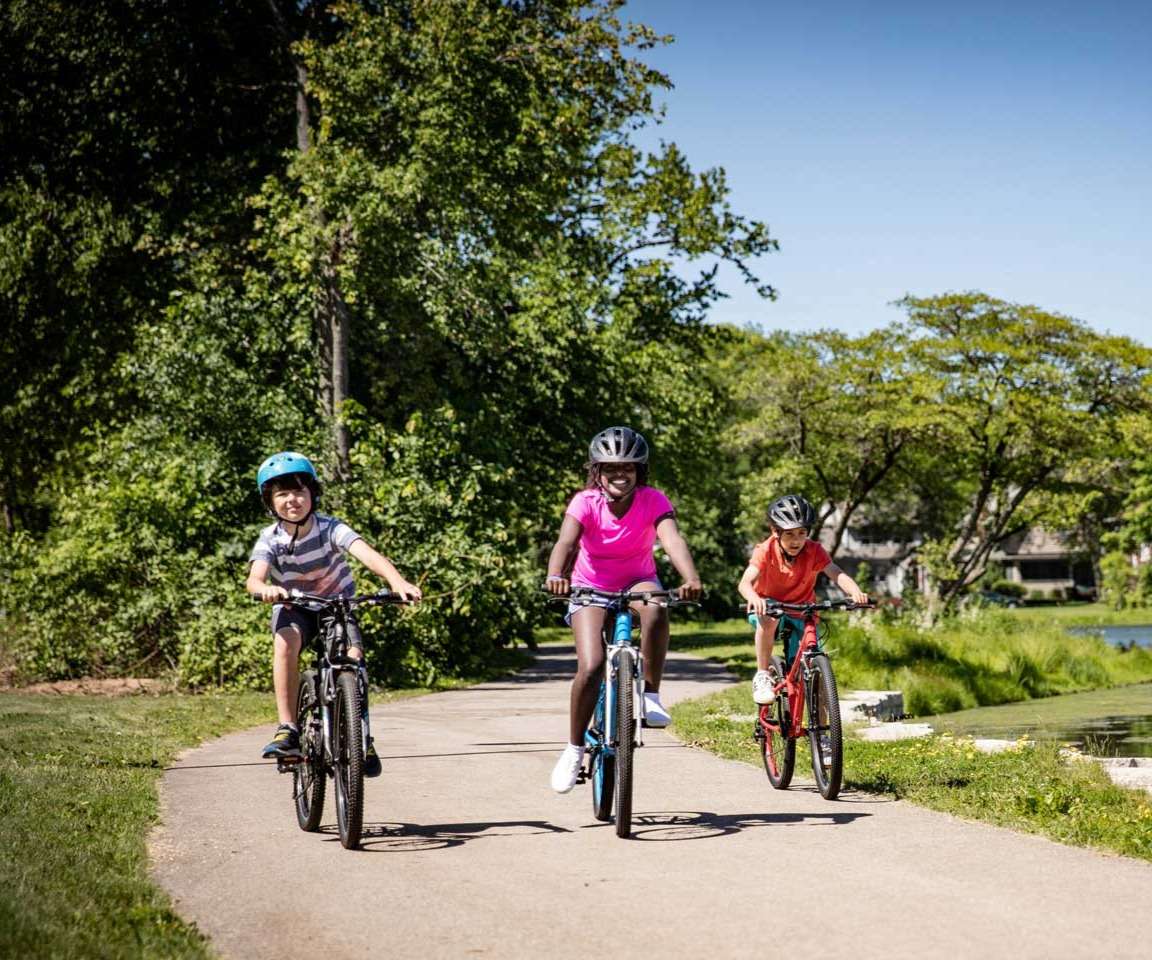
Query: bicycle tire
308, 777
777, 748
602, 766
625, 739
828, 769
348, 757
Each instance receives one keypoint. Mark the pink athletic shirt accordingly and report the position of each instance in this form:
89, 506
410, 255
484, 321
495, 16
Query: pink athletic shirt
616, 552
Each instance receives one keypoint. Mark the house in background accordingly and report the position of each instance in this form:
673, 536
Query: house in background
1040, 561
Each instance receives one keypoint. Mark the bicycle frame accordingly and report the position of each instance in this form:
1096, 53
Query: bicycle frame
329, 648
332, 660
808, 685
794, 683
617, 636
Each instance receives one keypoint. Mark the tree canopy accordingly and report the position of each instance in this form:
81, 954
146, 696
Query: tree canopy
419, 241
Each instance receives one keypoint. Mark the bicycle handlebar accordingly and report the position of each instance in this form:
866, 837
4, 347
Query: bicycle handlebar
777, 607
584, 596
300, 598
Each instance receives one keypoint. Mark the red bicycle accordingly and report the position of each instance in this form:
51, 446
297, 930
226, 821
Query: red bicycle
806, 703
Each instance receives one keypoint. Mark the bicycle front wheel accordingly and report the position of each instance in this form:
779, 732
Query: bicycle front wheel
824, 734
625, 739
777, 747
348, 756
308, 781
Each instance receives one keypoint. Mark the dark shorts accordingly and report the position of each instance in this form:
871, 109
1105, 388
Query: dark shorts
308, 623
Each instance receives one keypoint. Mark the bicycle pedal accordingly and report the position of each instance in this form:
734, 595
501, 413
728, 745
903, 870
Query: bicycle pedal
285, 764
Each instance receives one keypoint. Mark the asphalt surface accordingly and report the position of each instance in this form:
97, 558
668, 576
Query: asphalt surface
468, 853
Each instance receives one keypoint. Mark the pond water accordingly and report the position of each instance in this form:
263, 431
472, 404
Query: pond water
1107, 723
1124, 635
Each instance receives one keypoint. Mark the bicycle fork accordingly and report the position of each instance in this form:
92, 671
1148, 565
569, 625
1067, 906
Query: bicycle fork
606, 738
328, 698
622, 638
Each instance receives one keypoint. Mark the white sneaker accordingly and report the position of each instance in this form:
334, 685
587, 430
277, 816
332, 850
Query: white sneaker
567, 769
762, 691
654, 713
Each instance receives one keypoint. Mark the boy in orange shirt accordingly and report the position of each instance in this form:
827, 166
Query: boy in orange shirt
784, 567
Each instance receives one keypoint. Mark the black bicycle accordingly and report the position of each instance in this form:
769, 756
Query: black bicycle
332, 715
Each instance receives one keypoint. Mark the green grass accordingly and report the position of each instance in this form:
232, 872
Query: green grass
78, 782
78, 797
981, 658
1031, 789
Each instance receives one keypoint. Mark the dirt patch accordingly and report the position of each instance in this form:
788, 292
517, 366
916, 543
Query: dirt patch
92, 686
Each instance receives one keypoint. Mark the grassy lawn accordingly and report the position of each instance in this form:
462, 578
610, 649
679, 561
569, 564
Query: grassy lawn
78, 782
78, 797
1031, 789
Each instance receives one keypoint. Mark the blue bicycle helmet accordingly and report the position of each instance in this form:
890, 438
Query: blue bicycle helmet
282, 464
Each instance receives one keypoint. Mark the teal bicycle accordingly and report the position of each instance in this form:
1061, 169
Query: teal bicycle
618, 719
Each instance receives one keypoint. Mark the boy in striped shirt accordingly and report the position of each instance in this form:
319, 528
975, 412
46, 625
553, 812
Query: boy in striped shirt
305, 550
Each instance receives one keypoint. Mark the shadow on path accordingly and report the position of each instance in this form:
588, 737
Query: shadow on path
705, 825
414, 837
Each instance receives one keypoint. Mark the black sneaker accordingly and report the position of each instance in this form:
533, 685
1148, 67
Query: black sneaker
372, 766
286, 743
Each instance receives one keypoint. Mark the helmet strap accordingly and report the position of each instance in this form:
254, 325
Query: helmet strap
297, 524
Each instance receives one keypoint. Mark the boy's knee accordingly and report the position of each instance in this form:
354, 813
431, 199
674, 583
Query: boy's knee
287, 641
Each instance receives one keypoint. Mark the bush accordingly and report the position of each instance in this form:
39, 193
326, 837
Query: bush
1010, 588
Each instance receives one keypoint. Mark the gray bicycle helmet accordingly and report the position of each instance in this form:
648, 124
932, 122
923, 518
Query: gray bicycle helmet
618, 445
792, 511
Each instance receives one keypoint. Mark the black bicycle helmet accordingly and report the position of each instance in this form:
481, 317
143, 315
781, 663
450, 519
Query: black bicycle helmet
792, 511
618, 445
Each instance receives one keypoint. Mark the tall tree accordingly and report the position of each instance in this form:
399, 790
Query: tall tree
1028, 396
828, 415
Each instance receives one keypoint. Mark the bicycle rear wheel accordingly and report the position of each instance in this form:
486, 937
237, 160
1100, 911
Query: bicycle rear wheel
603, 766
348, 754
827, 757
308, 781
625, 739
778, 749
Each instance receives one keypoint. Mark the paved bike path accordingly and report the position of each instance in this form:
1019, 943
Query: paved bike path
468, 853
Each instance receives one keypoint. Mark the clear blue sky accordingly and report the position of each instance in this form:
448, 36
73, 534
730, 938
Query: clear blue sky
897, 147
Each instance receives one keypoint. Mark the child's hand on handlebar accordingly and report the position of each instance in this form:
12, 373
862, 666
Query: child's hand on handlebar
271, 593
690, 590
858, 596
558, 586
759, 606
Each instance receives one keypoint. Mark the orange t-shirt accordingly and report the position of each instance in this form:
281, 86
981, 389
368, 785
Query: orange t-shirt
793, 582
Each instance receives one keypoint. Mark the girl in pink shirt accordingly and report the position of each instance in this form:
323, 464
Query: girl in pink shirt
609, 531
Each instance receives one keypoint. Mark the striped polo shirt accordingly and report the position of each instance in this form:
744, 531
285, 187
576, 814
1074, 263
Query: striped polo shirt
316, 562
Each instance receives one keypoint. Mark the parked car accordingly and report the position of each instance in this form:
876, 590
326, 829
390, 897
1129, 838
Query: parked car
994, 598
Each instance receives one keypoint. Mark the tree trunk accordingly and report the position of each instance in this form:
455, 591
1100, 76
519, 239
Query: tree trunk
332, 314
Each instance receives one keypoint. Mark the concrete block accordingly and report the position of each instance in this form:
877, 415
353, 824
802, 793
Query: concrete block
869, 705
